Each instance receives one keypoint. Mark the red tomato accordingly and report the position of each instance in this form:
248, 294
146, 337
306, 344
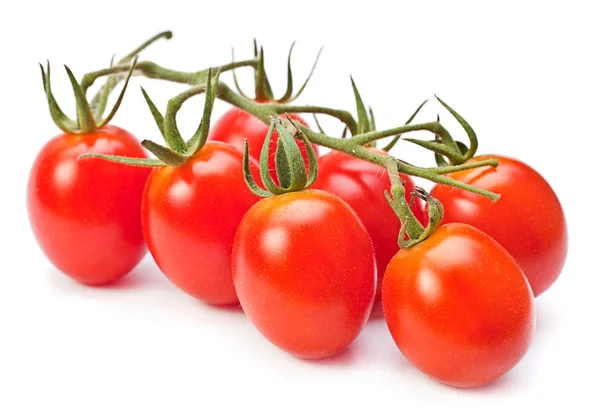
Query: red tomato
86, 214
528, 220
304, 271
459, 307
362, 185
190, 215
236, 126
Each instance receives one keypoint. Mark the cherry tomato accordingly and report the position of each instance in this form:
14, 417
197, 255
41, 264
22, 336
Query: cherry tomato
528, 220
304, 271
458, 306
85, 214
362, 185
190, 215
235, 126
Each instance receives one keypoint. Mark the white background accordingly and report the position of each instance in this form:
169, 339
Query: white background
525, 74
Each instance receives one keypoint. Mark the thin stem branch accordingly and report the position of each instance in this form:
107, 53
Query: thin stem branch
464, 166
152, 70
344, 116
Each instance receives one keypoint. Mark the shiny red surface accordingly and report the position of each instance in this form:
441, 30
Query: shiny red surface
459, 307
528, 220
304, 271
86, 214
190, 216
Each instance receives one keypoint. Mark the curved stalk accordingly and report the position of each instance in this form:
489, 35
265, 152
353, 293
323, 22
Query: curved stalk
152, 70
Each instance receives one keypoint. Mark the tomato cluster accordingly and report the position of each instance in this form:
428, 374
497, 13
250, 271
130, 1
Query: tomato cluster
238, 215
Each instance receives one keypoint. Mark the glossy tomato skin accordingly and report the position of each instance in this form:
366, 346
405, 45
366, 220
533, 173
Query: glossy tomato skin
528, 220
190, 215
459, 307
362, 185
304, 271
236, 125
85, 214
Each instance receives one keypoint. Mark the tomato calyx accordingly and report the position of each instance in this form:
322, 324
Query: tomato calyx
435, 211
178, 151
447, 150
89, 119
289, 163
263, 91
90, 114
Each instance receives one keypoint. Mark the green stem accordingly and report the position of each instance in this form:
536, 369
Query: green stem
132, 54
264, 111
344, 116
464, 166
433, 127
430, 174
352, 146
152, 70
397, 200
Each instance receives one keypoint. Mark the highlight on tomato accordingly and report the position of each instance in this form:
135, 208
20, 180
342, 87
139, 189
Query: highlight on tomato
236, 126
528, 219
457, 304
303, 263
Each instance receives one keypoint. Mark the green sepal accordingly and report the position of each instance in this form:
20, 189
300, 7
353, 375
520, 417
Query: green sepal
290, 169
392, 143
473, 142
363, 116
464, 149
319, 127
312, 70
117, 104
99, 102
434, 146
264, 164
310, 151
252, 185
440, 160
263, 87
372, 125
172, 135
61, 120
235, 79
293, 163
158, 117
263, 90
284, 175
85, 117
130, 161
201, 135
435, 211
290, 78
164, 154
